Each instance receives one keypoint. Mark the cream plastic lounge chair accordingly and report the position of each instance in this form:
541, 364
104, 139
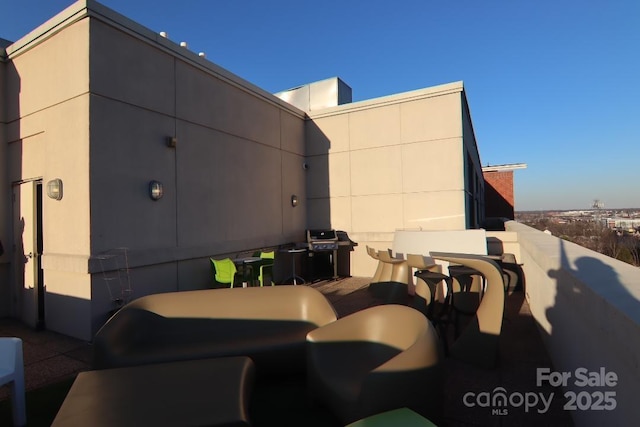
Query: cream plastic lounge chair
12, 373
379, 267
384, 270
378, 359
268, 324
399, 268
478, 343
393, 284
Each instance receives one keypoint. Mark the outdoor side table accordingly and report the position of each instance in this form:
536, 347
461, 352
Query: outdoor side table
246, 264
294, 277
212, 392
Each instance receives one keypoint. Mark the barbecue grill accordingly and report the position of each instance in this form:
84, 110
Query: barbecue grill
327, 242
322, 240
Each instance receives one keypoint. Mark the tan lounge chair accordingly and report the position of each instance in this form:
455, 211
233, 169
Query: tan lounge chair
268, 324
378, 359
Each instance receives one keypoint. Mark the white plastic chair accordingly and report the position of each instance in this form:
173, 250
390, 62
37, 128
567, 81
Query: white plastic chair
12, 371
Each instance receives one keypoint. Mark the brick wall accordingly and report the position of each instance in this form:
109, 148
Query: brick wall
499, 199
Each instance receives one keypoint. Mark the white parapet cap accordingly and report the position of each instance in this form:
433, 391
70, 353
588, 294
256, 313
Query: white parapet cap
502, 168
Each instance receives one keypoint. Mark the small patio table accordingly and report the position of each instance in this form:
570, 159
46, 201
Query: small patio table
245, 264
293, 251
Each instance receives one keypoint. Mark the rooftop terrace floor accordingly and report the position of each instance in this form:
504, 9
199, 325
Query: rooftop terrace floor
51, 358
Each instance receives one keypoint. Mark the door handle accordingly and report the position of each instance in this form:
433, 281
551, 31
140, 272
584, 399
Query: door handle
29, 255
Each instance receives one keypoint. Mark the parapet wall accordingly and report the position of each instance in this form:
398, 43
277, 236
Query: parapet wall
588, 308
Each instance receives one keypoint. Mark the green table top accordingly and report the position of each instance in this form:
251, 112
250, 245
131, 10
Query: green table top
404, 417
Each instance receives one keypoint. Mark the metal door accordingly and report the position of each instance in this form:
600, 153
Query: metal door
28, 289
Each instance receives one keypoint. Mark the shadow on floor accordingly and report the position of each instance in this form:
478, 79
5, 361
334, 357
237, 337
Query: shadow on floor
52, 361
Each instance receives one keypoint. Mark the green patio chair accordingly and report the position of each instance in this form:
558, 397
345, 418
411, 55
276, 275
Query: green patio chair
266, 266
224, 272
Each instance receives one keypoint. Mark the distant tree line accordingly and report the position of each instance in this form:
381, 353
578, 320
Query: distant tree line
618, 244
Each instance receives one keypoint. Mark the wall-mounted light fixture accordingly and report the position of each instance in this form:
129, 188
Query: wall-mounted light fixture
172, 141
155, 190
54, 189
294, 200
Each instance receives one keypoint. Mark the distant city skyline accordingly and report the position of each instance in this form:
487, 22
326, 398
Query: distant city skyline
581, 210
550, 84
591, 207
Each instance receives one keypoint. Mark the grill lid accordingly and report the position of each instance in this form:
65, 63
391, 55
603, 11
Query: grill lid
313, 235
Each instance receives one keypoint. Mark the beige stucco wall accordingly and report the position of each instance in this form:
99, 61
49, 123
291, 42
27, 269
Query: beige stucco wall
47, 106
227, 183
99, 115
390, 163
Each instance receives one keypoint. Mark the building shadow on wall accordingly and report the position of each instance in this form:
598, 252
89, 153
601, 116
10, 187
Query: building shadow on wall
22, 280
319, 208
13, 263
317, 177
495, 204
582, 331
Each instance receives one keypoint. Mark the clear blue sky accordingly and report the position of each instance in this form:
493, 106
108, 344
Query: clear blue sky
551, 83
